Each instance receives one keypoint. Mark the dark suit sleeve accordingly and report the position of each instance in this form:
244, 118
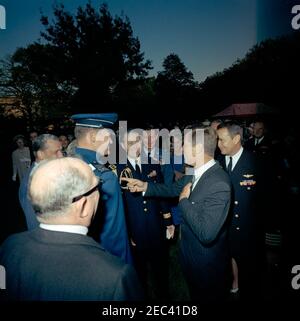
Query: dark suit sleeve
165, 207
163, 190
207, 217
128, 286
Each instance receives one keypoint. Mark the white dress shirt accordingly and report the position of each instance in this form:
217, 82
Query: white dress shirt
235, 158
258, 140
134, 161
77, 229
198, 172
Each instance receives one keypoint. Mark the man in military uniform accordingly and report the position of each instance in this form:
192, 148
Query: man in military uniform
149, 219
93, 145
245, 234
260, 143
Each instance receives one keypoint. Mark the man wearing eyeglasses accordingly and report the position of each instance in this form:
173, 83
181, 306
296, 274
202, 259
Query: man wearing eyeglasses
57, 261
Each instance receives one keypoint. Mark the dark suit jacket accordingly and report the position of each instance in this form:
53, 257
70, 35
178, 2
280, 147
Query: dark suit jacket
46, 265
146, 225
30, 216
264, 147
204, 246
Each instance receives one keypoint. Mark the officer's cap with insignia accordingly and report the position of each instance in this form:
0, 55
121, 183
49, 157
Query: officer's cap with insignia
106, 120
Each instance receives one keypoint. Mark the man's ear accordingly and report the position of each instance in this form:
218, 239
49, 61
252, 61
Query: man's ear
40, 155
92, 136
236, 139
81, 207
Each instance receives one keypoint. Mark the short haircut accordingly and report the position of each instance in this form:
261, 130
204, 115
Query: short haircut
80, 131
40, 143
55, 200
17, 137
210, 138
233, 128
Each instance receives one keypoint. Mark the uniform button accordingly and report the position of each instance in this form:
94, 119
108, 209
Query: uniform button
237, 228
236, 215
145, 202
145, 209
236, 202
193, 203
248, 188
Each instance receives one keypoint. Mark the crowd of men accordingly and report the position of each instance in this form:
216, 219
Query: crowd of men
102, 231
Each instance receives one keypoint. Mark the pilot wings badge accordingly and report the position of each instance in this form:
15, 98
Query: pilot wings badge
248, 175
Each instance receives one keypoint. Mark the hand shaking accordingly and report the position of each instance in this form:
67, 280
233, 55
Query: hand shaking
185, 193
135, 185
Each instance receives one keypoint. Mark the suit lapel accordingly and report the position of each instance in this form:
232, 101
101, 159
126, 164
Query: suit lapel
205, 175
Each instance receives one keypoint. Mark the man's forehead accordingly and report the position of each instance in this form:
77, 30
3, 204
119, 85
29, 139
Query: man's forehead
259, 126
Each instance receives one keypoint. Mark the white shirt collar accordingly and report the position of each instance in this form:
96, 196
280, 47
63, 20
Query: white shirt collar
201, 170
77, 229
134, 161
258, 140
235, 158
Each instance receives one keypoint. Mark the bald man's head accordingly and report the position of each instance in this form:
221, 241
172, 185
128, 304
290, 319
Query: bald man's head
54, 184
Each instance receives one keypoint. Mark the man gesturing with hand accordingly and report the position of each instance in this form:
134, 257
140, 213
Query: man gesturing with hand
204, 201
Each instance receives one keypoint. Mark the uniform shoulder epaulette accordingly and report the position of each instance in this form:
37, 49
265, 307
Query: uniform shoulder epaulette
101, 168
113, 168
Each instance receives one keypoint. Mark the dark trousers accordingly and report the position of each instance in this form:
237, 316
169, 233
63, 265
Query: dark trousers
152, 268
206, 285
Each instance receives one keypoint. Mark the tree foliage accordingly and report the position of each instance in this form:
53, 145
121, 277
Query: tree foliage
174, 85
266, 74
99, 53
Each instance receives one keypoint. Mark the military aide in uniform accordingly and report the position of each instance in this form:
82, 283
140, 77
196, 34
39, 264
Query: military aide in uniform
93, 141
148, 219
245, 234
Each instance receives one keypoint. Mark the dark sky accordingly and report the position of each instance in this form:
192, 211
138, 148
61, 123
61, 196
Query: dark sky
208, 35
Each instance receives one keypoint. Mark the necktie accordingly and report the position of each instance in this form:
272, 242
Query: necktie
229, 167
137, 170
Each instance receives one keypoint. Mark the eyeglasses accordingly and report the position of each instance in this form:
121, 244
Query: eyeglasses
91, 191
